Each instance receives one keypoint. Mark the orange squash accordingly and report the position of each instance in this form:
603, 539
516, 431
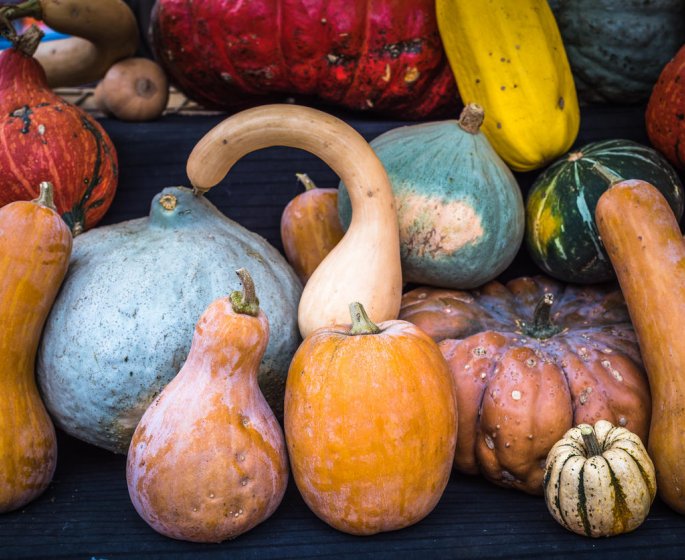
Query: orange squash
645, 245
207, 461
310, 227
370, 423
35, 245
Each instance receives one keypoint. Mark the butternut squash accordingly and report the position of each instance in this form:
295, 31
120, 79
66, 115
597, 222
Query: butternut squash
102, 33
372, 239
35, 245
645, 245
508, 57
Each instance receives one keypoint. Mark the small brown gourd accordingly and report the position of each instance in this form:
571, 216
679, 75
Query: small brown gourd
644, 242
133, 89
599, 481
310, 227
373, 236
207, 461
35, 245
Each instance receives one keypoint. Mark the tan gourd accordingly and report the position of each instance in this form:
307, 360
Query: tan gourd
103, 32
208, 461
133, 89
646, 247
365, 265
35, 245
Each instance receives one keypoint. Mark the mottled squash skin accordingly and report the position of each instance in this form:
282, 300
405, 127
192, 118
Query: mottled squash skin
459, 207
131, 299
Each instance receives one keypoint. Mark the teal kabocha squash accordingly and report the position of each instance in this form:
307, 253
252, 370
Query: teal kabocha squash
123, 322
561, 234
617, 48
459, 207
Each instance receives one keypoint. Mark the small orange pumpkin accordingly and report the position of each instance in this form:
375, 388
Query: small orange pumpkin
310, 227
35, 245
370, 423
207, 461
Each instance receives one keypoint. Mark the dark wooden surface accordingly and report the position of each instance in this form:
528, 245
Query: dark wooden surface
86, 512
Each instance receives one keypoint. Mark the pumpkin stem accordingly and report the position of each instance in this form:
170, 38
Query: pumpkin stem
306, 181
45, 196
28, 42
30, 8
590, 438
471, 118
607, 174
361, 324
542, 326
245, 302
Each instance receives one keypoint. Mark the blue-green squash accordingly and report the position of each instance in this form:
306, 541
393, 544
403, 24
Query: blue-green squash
617, 48
121, 326
561, 234
459, 207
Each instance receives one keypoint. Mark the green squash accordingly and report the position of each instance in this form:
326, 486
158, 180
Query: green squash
617, 48
122, 324
459, 207
561, 234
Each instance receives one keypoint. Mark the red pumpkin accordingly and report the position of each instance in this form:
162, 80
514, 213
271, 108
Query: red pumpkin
44, 138
531, 359
381, 55
666, 111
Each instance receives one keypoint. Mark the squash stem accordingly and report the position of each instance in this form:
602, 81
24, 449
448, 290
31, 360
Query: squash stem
46, 196
361, 324
542, 326
309, 185
28, 8
245, 302
471, 118
606, 173
590, 438
27, 43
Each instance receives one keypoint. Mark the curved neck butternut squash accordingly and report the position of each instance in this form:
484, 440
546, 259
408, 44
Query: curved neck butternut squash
508, 56
35, 245
365, 265
645, 245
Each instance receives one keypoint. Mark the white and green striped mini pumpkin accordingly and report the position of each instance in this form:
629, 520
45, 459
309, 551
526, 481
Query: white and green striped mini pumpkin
599, 481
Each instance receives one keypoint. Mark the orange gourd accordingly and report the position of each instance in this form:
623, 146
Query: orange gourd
35, 245
646, 247
207, 461
370, 423
310, 227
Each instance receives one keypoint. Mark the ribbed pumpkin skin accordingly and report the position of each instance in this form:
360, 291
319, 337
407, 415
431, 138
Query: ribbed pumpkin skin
599, 495
34, 254
618, 47
207, 461
44, 138
370, 55
665, 116
516, 394
154, 276
459, 207
561, 234
370, 424
310, 228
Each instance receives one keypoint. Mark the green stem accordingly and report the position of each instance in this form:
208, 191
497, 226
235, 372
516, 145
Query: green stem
306, 181
245, 302
28, 8
45, 196
607, 174
361, 324
542, 326
590, 438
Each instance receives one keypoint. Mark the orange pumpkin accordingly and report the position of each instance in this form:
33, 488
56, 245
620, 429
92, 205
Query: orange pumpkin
310, 227
370, 423
531, 359
35, 245
207, 461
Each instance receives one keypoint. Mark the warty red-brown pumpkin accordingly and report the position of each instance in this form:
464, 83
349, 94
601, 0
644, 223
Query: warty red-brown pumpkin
531, 359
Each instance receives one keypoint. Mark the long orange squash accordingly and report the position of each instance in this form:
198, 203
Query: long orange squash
35, 245
645, 245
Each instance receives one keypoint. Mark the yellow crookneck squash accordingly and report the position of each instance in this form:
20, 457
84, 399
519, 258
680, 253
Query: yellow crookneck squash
508, 56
